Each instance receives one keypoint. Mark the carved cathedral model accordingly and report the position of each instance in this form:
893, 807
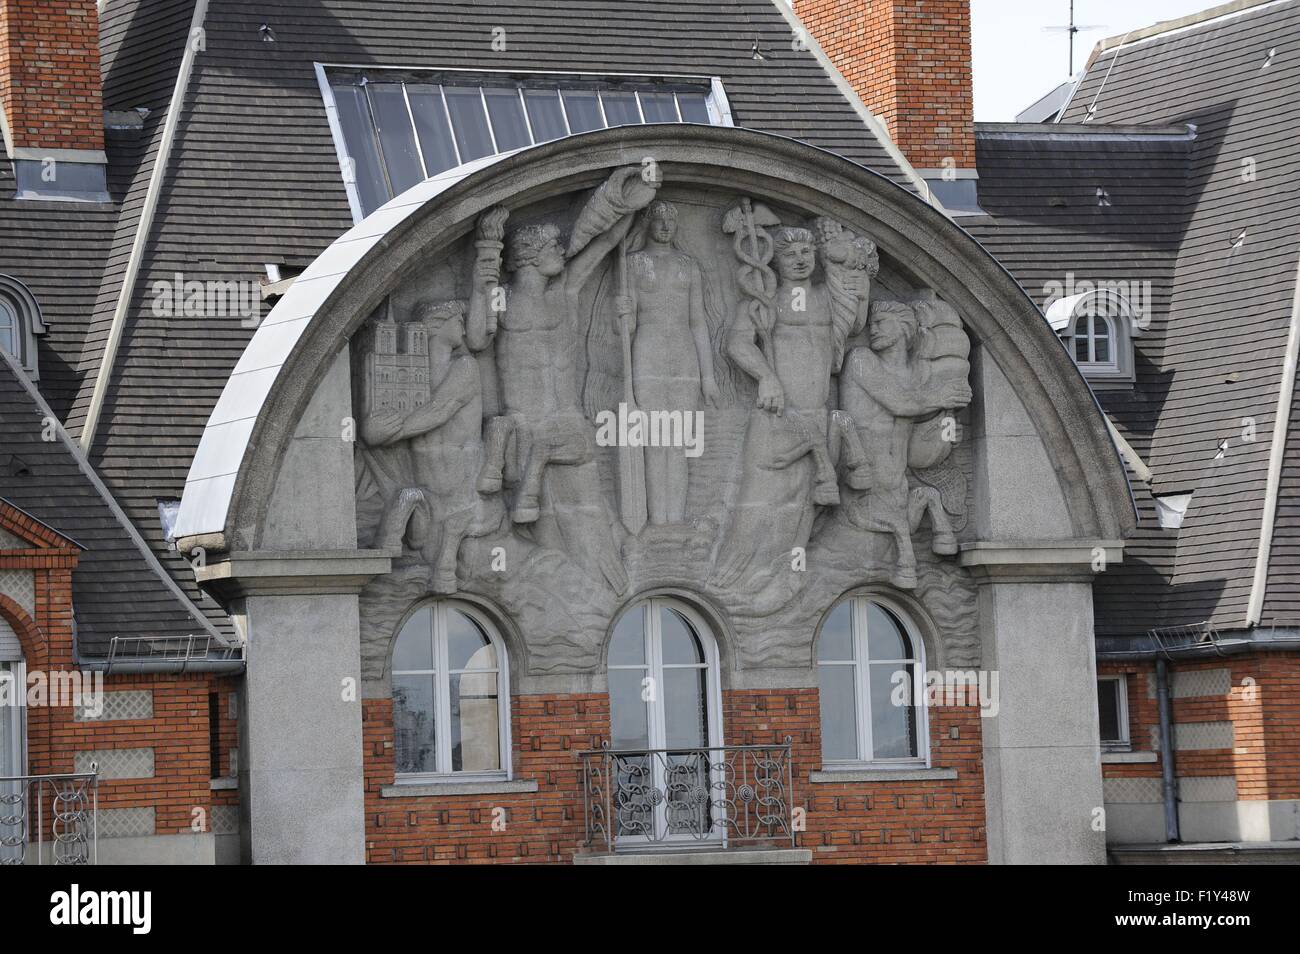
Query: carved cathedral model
828, 393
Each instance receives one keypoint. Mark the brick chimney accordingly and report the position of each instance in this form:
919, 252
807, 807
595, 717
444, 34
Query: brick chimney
51, 97
910, 63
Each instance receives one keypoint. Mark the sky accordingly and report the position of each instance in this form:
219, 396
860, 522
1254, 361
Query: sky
1016, 61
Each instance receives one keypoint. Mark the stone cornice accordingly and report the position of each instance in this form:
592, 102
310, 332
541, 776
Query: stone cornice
293, 572
1039, 561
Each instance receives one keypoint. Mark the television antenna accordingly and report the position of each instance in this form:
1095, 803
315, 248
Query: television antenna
1072, 30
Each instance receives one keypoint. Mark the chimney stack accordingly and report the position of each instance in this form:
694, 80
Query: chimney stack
910, 63
51, 98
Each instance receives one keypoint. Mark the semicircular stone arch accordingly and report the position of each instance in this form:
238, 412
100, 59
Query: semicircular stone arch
435, 386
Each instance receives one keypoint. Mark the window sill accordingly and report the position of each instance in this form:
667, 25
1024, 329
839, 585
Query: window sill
835, 776
223, 784
1121, 758
437, 789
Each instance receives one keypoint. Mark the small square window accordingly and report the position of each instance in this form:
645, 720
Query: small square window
1112, 711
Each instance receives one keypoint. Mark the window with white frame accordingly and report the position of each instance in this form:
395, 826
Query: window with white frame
869, 661
1112, 711
450, 695
13, 755
1094, 342
399, 127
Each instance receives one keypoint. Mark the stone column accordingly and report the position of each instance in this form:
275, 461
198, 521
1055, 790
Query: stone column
1042, 763
301, 780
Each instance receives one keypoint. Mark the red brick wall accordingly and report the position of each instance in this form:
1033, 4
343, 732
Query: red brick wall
873, 822
910, 62
178, 732
542, 826
1263, 706
49, 73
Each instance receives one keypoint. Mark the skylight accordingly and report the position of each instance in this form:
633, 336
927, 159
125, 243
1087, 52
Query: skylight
395, 128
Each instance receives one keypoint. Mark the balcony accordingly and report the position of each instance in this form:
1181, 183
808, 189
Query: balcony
49, 819
728, 804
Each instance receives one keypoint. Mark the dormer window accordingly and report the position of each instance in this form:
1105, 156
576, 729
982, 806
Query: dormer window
1097, 327
20, 323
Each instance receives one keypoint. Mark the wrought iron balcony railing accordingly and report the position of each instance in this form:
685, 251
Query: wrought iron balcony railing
662, 798
53, 814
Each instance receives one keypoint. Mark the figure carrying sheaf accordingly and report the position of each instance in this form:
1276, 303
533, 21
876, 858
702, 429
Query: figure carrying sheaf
902, 392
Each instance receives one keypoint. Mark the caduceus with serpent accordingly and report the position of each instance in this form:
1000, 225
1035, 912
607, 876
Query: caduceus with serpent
788, 334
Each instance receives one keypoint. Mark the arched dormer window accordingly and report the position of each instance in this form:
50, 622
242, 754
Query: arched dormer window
1097, 327
20, 323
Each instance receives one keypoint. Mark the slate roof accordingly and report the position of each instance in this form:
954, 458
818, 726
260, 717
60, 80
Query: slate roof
1214, 353
116, 590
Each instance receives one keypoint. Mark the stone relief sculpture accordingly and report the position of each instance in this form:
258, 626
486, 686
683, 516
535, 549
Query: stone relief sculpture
789, 337
830, 388
667, 316
886, 388
428, 396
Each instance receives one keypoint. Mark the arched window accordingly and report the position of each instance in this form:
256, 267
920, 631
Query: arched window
868, 663
20, 323
664, 702
450, 695
1094, 342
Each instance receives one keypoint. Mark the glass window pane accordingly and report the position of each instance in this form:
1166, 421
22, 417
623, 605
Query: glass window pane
893, 719
627, 647
1108, 709
837, 634
629, 728
414, 649
468, 647
583, 110
475, 722
658, 107
396, 137
620, 108
839, 713
507, 114
545, 113
1101, 344
431, 123
1081, 349
359, 134
693, 107
413, 698
680, 645
885, 636
685, 711
470, 122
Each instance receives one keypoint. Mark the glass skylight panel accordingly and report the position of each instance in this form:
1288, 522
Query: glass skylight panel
396, 137
430, 115
583, 109
465, 104
398, 128
367, 171
506, 111
620, 108
658, 107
